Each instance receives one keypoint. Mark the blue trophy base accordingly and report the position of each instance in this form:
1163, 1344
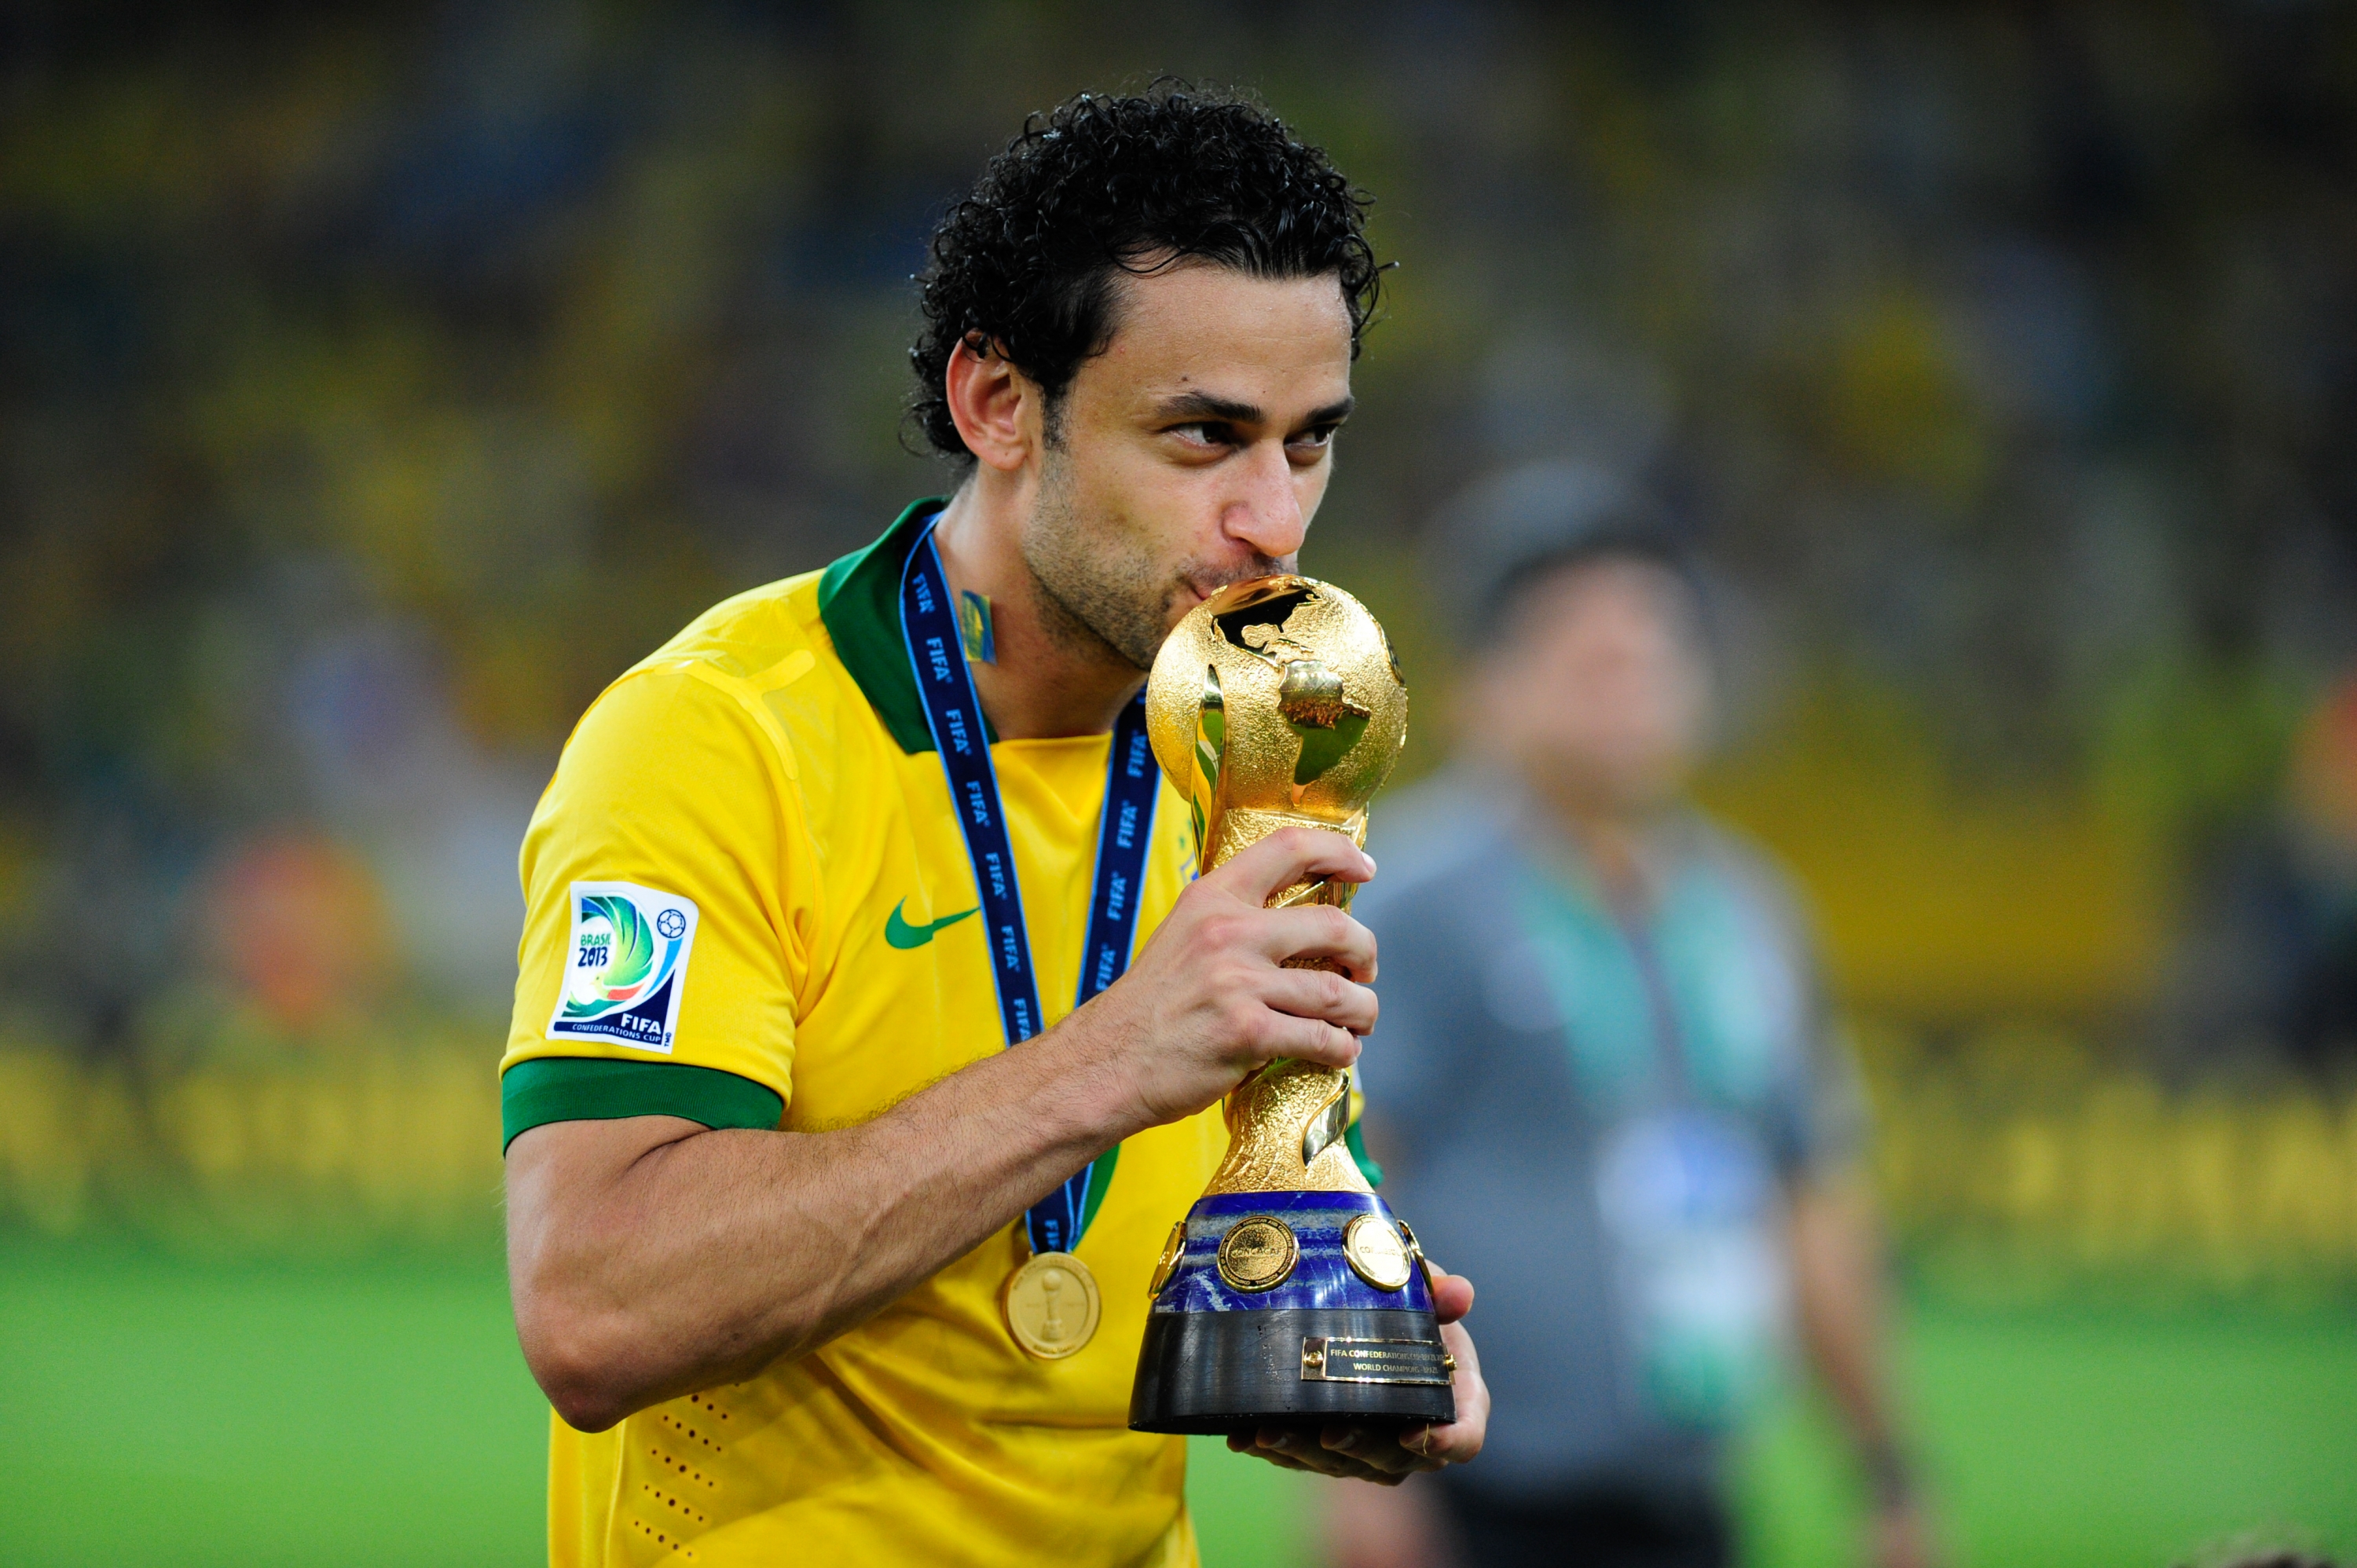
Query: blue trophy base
1321, 1343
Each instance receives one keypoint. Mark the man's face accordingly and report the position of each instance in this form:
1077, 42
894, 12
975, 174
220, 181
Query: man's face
1193, 452
1600, 693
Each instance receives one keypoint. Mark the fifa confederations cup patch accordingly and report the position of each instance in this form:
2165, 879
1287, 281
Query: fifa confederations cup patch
625, 966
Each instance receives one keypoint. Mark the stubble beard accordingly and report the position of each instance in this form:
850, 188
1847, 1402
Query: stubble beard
1097, 593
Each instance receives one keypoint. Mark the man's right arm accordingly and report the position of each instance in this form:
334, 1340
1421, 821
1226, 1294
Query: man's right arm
650, 1256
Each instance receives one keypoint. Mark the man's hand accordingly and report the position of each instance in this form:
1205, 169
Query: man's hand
1209, 998
1900, 1536
1388, 1455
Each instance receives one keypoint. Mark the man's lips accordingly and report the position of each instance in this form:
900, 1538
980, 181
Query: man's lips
1203, 586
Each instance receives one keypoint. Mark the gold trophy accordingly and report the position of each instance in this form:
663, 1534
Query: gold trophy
1290, 1293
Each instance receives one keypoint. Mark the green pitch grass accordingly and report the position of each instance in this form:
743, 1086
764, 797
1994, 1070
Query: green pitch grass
159, 1413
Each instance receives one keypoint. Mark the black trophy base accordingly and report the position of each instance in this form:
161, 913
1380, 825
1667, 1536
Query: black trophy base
1211, 1373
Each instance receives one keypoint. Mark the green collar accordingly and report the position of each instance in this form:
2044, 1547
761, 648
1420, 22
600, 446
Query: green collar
859, 600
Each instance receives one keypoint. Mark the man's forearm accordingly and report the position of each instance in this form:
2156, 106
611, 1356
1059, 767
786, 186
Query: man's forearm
1838, 1288
678, 1258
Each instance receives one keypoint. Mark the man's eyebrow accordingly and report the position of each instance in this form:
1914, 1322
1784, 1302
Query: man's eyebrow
1205, 405
1227, 410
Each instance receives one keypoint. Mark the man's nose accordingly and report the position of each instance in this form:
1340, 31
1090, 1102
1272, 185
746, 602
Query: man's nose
1263, 512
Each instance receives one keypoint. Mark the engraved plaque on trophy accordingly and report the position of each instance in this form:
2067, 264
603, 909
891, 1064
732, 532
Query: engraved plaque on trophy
1290, 1294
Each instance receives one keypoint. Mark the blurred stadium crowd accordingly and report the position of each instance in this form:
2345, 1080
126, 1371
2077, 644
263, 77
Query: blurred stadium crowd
379, 384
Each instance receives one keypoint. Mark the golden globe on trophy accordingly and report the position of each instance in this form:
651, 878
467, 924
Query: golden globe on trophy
1290, 1293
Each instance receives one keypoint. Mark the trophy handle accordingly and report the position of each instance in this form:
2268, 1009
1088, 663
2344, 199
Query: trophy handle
1286, 1109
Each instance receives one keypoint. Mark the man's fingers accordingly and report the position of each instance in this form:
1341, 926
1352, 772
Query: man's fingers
1388, 1454
1283, 1461
1302, 1451
1418, 1441
1318, 931
1452, 1295
1308, 1039
1322, 995
1297, 855
1277, 1446
1442, 1443
1459, 1441
1459, 1345
1440, 1446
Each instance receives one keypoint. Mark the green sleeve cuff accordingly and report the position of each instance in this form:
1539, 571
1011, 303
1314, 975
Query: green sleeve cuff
1100, 1183
598, 1088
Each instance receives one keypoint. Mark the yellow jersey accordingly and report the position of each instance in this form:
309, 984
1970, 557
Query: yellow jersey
747, 902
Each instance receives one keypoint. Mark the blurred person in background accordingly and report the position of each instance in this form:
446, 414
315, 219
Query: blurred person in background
1604, 1079
2321, 1015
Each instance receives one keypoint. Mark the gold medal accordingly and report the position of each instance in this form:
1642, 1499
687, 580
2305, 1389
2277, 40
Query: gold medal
1052, 1306
1375, 1252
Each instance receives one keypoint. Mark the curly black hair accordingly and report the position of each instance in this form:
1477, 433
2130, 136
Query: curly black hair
1025, 262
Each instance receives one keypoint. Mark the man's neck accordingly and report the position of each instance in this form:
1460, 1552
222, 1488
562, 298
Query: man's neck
1050, 677
1614, 839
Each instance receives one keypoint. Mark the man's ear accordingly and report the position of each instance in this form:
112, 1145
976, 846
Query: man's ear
994, 405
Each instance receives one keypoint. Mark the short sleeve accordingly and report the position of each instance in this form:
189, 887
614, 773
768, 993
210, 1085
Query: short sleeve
1819, 1124
667, 915
1817, 1116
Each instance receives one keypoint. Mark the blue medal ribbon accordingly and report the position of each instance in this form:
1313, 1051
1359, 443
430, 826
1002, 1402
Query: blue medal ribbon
936, 655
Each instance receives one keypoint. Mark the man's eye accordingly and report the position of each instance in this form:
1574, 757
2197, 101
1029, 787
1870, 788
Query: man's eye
1313, 440
1203, 434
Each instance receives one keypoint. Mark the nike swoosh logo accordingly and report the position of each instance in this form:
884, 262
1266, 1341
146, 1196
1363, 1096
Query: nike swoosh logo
902, 934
